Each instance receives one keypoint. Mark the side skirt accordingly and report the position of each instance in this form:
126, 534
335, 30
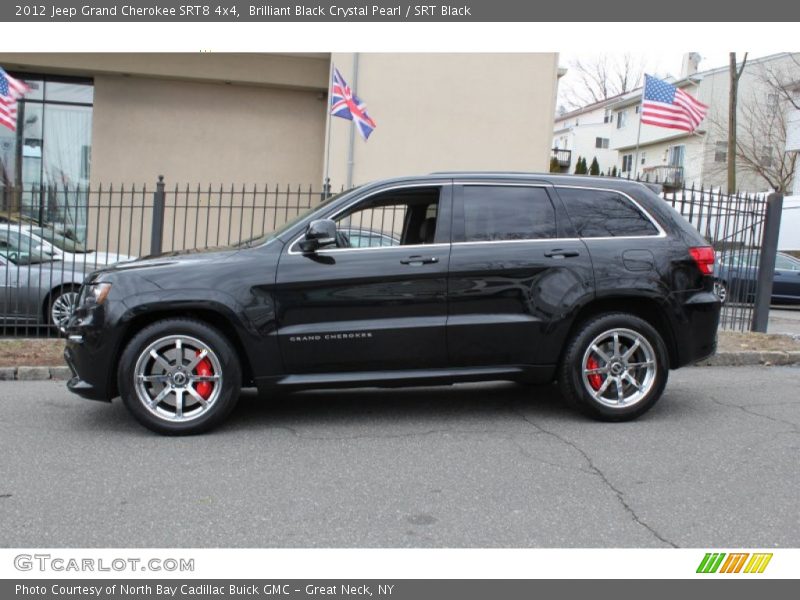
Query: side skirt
408, 378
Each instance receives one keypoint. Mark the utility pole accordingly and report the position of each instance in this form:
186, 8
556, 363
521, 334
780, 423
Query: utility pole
733, 101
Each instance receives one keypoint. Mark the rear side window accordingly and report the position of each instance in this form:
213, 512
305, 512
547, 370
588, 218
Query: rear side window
604, 213
497, 213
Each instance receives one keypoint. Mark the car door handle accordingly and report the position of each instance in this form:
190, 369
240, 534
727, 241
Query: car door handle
558, 253
419, 260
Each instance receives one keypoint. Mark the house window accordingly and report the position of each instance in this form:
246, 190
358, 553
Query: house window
643, 158
675, 156
766, 156
638, 108
608, 116
601, 142
721, 152
627, 163
51, 147
622, 119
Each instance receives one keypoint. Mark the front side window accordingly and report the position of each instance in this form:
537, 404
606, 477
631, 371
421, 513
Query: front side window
787, 263
604, 213
393, 218
501, 213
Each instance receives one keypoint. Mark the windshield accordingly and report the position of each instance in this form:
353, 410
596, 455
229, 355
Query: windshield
22, 249
263, 239
59, 240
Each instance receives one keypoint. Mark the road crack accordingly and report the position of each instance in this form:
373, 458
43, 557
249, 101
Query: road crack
794, 428
595, 470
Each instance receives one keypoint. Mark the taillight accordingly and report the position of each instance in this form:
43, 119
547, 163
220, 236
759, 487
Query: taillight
704, 258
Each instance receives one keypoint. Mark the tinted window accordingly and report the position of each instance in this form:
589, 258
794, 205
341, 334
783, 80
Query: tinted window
493, 213
601, 213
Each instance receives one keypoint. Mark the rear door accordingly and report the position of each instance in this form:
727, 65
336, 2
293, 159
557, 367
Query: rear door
516, 275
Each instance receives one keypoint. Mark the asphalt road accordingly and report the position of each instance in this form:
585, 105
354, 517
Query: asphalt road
715, 464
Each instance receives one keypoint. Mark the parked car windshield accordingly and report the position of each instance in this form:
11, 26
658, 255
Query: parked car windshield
59, 240
22, 249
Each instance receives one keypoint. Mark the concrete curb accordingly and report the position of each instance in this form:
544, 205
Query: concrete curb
721, 359
751, 357
34, 373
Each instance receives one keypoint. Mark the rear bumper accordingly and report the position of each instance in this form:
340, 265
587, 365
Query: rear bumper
696, 328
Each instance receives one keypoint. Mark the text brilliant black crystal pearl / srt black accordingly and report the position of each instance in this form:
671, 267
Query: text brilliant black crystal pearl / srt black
596, 283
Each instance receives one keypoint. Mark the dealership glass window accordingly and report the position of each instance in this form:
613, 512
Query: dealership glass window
51, 149
496, 213
603, 213
721, 152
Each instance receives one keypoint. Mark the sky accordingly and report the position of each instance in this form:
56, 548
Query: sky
656, 63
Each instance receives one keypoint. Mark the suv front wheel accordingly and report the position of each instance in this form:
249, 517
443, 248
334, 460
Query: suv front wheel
615, 367
179, 376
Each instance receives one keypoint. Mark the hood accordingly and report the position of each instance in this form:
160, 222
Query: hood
172, 259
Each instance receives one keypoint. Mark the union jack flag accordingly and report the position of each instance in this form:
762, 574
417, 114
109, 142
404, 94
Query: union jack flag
10, 91
345, 104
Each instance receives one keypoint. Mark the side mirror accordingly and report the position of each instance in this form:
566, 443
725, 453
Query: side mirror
319, 234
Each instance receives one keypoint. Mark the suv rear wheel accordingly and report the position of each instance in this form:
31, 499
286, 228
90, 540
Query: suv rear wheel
179, 376
615, 367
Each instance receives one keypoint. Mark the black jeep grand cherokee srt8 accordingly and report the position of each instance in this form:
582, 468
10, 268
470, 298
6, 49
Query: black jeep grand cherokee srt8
597, 283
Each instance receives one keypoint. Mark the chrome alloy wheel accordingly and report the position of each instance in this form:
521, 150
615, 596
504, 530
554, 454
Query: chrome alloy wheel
178, 378
619, 368
62, 308
721, 291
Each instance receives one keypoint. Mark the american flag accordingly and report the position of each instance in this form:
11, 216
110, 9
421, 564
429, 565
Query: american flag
345, 104
10, 91
664, 105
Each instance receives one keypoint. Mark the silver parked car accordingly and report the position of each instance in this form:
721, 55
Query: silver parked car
36, 287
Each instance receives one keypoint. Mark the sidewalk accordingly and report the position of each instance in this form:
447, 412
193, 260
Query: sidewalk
35, 360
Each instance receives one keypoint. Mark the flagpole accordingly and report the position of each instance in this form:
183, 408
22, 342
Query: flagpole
351, 147
639, 134
326, 185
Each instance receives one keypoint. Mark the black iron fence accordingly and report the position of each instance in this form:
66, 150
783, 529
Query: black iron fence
51, 237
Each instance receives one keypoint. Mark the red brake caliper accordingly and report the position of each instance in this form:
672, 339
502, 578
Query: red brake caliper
203, 369
595, 380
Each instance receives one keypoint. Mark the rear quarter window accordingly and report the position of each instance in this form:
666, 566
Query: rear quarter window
503, 213
604, 213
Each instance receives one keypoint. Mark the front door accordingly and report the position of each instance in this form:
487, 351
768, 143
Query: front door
377, 301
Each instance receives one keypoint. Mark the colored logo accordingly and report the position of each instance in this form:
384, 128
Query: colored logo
735, 562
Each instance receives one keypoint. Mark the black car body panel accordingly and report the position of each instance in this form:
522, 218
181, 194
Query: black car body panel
439, 309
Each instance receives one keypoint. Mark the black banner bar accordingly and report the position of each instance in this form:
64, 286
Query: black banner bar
398, 589
389, 11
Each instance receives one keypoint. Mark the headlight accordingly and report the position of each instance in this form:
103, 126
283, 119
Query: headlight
96, 293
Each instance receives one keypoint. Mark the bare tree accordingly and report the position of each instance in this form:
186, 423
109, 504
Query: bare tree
762, 120
602, 77
761, 140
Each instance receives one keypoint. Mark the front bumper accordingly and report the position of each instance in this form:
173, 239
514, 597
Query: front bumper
90, 353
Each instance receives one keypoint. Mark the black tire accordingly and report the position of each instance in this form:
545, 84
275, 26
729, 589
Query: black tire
217, 346
575, 389
60, 297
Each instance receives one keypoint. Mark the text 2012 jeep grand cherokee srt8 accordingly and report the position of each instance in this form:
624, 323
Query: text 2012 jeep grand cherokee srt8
597, 283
